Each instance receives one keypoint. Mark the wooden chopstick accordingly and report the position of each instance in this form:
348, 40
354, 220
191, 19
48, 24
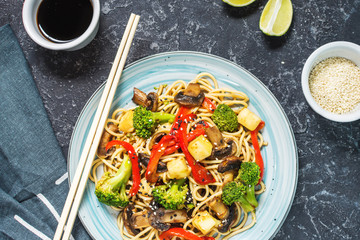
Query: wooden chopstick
78, 184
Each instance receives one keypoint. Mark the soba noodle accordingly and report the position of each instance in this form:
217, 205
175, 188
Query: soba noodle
201, 194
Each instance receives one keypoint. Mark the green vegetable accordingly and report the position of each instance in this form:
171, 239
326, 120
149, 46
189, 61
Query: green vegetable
110, 189
172, 195
249, 174
146, 121
235, 192
242, 189
225, 118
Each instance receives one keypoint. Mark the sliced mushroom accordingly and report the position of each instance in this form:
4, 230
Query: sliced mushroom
227, 150
156, 138
105, 138
128, 220
140, 219
154, 101
229, 163
161, 218
226, 214
228, 221
215, 137
149, 101
158, 218
192, 90
192, 96
228, 176
145, 158
140, 98
217, 206
229, 167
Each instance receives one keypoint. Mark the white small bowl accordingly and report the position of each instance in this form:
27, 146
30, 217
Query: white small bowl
29, 15
343, 49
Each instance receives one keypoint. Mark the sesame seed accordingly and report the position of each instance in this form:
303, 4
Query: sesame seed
335, 84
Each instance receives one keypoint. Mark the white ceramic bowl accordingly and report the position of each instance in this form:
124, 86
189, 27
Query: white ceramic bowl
29, 13
343, 49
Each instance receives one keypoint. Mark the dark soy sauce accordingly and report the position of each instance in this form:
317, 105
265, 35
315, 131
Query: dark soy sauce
61, 21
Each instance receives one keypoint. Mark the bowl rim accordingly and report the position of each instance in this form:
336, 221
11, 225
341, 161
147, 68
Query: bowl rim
311, 62
28, 16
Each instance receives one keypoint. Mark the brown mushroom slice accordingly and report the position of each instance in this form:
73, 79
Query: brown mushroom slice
105, 138
156, 139
128, 221
228, 150
153, 101
145, 158
226, 214
192, 96
150, 101
228, 176
228, 221
229, 167
229, 163
140, 98
215, 137
161, 218
192, 90
217, 206
140, 219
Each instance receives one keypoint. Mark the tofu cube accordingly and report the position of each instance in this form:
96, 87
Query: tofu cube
248, 119
178, 168
204, 222
200, 148
126, 122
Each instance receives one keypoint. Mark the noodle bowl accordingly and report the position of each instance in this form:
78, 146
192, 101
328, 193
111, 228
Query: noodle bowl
201, 194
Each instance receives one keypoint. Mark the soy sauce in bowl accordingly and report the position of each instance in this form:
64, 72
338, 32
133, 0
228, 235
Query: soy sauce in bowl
62, 21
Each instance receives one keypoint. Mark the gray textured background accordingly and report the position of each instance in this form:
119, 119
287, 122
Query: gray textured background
327, 201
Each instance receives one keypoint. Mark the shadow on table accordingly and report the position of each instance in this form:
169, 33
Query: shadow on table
277, 42
71, 64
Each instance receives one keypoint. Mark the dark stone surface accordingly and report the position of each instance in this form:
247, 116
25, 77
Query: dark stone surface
327, 200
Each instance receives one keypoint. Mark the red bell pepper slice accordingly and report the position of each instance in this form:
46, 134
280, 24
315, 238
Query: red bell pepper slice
258, 158
173, 146
194, 134
209, 105
180, 232
156, 153
199, 130
201, 175
134, 164
183, 111
171, 149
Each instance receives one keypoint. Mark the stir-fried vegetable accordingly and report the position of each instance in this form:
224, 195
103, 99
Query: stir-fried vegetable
110, 189
225, 118
180, 232
258, 158
134, 161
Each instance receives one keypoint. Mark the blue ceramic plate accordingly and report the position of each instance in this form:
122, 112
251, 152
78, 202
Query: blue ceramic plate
281, 163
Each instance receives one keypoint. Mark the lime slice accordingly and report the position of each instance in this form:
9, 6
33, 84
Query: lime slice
276, 17
238, 3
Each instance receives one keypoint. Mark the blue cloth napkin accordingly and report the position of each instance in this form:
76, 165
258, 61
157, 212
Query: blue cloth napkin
33, 175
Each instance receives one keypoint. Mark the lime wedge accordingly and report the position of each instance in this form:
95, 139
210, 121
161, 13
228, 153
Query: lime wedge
276, 17
238, 3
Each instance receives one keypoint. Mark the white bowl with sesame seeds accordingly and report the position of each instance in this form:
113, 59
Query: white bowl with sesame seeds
331, 81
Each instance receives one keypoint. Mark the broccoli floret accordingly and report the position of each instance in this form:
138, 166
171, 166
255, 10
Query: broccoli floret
242, 189
110, 189
235, 192
172, 195
146, 121
225, 118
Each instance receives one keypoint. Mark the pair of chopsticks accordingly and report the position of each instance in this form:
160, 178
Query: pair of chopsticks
82, 172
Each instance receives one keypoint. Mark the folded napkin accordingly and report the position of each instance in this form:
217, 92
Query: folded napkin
33, 175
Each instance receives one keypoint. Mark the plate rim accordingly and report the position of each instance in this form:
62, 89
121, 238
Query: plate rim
206, 55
